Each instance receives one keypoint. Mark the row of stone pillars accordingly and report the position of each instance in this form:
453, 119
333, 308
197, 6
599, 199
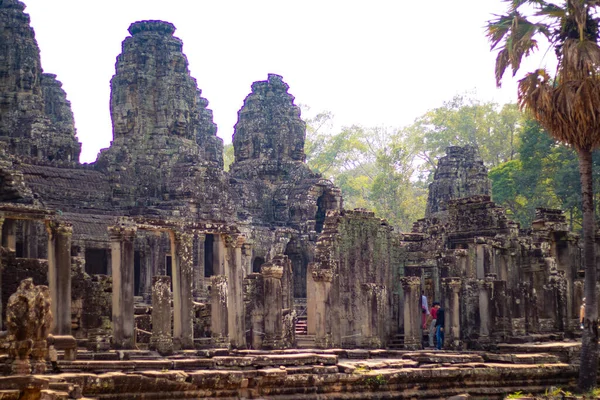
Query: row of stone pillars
411, 286
122, 239
59, 268
228, 326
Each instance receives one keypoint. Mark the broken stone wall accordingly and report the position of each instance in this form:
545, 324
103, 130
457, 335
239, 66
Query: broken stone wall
356, 246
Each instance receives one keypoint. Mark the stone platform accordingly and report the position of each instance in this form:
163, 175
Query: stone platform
295, 374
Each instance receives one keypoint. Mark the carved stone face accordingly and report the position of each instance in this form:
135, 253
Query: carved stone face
179, 123
124, 119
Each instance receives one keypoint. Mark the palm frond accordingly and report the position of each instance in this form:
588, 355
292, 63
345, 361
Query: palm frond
551, 10
580, 59
570, 112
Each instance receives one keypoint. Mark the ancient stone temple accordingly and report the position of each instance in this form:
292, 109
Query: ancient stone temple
184, 280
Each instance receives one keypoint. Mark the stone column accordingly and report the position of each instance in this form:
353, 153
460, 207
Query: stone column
218, 308
59, 274
485, 321
272, 274
247, 257
310, 300
146, 274
10, 237
198, 286
183, 303
122, 257
234, 271
452, 307
218, 255
322, 279
30, 239
161, 339
412, 312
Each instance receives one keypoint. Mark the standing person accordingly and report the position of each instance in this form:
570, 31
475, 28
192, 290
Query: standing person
439, 325
432, 324
424, 310
582, 313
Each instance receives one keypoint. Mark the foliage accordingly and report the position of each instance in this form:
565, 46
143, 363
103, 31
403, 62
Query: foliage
518, 395
228, 156
556, 393
466, 121
372, 167
376, 381
567, 105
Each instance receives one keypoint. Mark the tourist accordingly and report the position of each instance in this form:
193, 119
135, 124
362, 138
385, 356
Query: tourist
582, 313
439, 325
432, 324
424, 310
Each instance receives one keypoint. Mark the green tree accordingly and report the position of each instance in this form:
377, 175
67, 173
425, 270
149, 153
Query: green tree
228, 156
567, 105
465, 121
372, 166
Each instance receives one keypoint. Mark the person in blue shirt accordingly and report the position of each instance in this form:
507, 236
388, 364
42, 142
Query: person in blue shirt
439, 328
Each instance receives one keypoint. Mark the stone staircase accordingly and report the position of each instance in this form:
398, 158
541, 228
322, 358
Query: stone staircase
397, 342
303, 339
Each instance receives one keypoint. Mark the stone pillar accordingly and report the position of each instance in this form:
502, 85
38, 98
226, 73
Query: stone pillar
59, 274
9, 238
452, 307
218, 308
247, 257
146, 274
183, 303
234, 271
310, 300
218, 255
122, 256
161, 339
30, 239
557, 283
412, 312
272, 274
485, 315
322, 279
198, 285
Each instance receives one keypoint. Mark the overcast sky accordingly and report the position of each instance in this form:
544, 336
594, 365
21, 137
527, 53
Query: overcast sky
369, 62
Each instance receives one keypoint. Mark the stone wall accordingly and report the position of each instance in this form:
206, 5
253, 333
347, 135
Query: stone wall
356, 248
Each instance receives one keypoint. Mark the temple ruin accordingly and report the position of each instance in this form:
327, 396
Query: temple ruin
155, 271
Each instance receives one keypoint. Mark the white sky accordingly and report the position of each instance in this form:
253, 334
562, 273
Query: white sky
377, 62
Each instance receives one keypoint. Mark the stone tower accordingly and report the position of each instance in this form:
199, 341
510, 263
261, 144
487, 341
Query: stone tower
459, 174
36, 120
162, 131
269, 135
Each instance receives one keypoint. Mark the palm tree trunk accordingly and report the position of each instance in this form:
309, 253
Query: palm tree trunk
588, 371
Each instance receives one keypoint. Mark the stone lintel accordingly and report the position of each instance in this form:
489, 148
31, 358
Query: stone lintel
269, 270
410, 281
322, 275
120, 232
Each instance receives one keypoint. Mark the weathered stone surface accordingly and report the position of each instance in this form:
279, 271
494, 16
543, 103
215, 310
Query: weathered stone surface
35, 117
164, 145
459, 174
29, 321
356, 248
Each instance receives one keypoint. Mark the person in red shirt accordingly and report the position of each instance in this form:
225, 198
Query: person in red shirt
433, 312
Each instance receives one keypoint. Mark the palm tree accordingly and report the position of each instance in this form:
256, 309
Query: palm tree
567, 105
